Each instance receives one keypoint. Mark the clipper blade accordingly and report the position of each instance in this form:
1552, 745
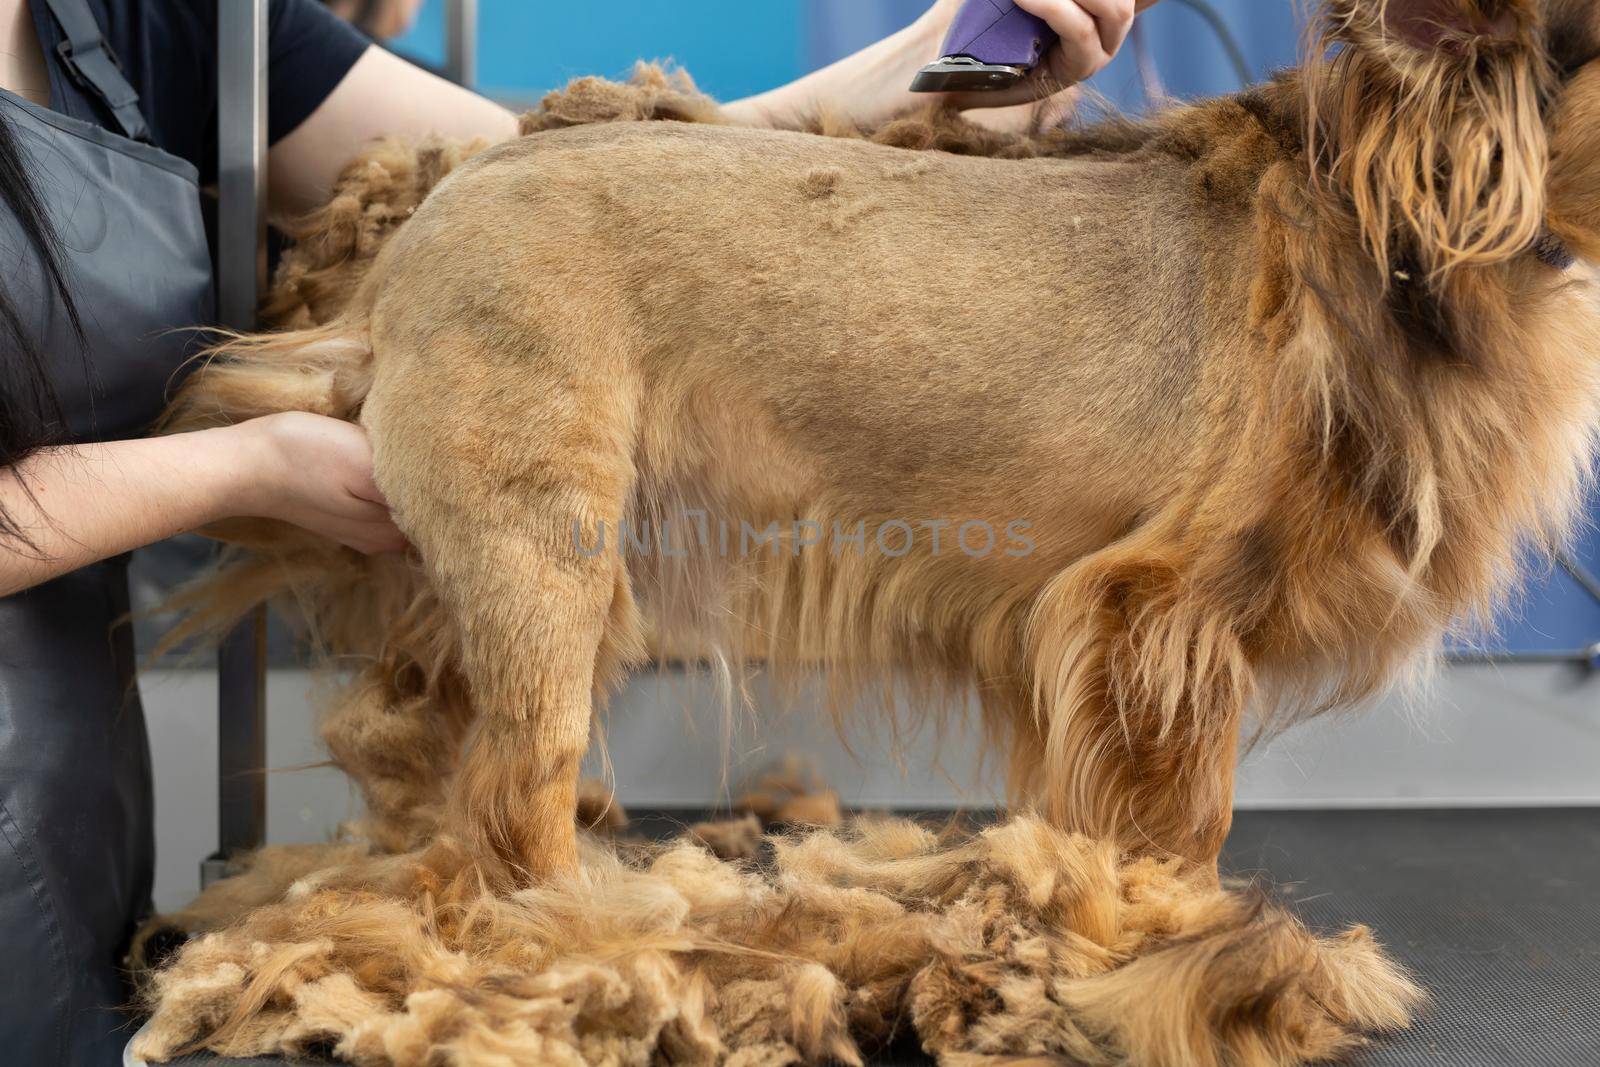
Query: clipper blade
962, 74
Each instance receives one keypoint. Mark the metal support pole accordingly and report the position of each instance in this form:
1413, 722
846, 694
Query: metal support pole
461, 41
241, 275
241, 159
1586, 658
1579, 573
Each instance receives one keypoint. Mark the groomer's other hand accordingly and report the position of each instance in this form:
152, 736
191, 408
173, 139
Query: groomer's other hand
316, 473
82, 503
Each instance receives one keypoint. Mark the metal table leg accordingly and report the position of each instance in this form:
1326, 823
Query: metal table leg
241, 274
461, 42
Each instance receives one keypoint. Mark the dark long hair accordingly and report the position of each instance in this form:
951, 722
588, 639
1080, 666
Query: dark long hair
31, 417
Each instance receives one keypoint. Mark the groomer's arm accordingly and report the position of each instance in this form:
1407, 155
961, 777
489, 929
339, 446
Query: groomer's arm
381, 96
872, 85
82, 503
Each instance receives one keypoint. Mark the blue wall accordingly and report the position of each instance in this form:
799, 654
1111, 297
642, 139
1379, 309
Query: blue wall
1189, 58
526, 47
1554, 613
738, 47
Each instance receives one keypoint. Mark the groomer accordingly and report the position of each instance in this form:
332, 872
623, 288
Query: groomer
107, 135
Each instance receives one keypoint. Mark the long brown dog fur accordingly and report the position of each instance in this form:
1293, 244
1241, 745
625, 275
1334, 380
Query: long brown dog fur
1277, 379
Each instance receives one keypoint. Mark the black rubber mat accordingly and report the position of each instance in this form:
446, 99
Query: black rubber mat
1496, 912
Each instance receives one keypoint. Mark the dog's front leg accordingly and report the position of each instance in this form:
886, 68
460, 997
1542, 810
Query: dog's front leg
1146, 788
1143, 691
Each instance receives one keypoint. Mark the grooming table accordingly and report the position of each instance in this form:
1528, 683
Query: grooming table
1496, 912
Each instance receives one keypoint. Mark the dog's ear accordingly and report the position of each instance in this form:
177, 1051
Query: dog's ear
1430, 24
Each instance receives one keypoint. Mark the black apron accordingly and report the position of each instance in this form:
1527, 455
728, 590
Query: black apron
77, 842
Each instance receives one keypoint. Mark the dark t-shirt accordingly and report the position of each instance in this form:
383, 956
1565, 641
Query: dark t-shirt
168, 50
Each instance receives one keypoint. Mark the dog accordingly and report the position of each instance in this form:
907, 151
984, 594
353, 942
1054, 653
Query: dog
1250, 401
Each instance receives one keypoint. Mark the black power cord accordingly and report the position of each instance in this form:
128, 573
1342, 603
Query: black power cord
1225, 36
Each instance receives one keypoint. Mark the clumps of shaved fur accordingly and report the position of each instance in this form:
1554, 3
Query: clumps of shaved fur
654, 93
1020, 941
791, 793
658, 94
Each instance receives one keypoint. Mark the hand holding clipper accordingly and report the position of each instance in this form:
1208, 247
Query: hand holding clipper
994, 45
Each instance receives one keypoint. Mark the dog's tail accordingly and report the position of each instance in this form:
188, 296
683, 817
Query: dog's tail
325, 370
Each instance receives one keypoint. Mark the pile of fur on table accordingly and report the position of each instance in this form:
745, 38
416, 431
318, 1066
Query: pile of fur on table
820, 945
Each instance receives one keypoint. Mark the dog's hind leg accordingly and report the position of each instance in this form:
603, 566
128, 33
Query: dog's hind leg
1140, 694
504, 477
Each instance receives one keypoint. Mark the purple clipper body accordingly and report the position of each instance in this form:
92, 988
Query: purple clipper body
992, 44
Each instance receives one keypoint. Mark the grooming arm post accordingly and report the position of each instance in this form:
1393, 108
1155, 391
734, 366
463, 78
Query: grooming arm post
1587, 658
461, 41
241, 270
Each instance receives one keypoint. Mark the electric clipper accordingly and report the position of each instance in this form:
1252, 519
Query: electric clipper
992, 44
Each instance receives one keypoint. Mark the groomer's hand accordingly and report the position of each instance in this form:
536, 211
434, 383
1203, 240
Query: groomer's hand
873, 85
81, 503
316, 473
1091, 31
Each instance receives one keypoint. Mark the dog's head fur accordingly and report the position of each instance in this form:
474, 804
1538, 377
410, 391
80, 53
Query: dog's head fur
1437, 119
